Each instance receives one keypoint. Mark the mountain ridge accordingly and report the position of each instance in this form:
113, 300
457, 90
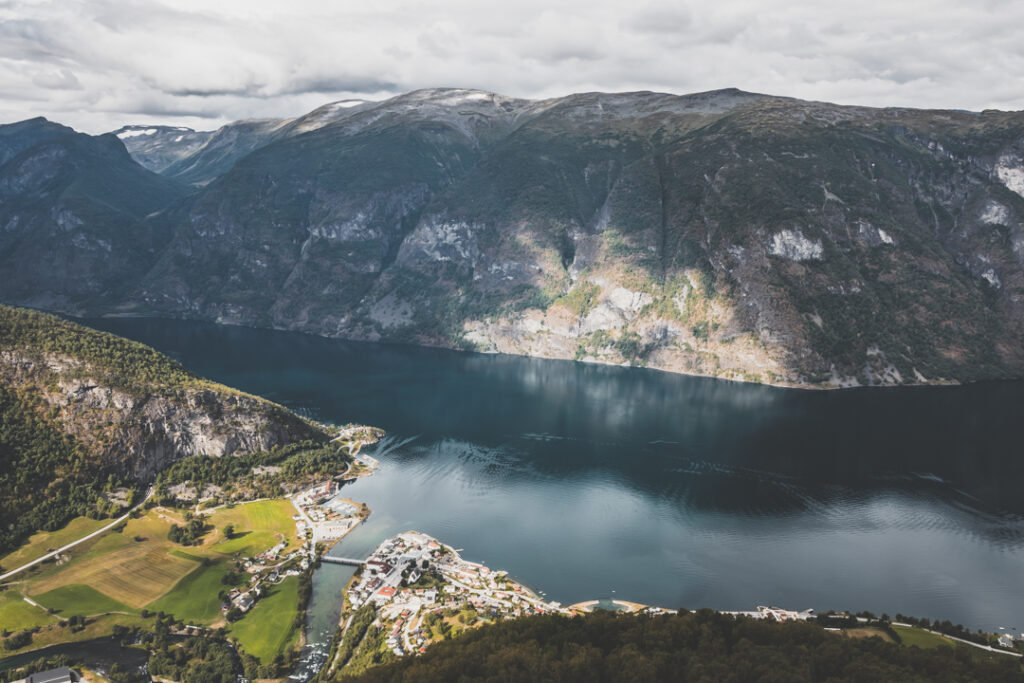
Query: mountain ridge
724, 233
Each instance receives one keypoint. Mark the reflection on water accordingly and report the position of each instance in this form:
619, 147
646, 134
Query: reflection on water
679, 491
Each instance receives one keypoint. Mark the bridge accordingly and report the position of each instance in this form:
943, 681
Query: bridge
342, 560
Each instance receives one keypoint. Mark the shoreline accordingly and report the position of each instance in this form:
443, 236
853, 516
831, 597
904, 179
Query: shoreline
453, 348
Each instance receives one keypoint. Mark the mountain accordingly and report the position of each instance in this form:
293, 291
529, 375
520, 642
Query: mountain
725, 233
219, 150
77, 217
80, 408
722, 233
157, 147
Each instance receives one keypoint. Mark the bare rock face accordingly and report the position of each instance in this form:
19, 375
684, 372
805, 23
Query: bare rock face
138, 433
151, 432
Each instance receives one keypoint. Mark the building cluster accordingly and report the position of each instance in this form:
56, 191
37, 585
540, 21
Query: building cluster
779, 614
268, 568
413, 575
322, 515
1008, 640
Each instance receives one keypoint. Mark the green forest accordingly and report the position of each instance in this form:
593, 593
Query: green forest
45, 478
702, 646
106, 358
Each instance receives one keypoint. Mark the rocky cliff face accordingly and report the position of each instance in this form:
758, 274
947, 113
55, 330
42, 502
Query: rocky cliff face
723, 233
126, 426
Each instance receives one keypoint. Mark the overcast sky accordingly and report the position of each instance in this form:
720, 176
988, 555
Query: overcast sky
98, 64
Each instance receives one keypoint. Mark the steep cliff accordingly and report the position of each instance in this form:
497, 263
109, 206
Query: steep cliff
83, 407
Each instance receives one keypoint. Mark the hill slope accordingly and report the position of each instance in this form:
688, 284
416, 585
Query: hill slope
79, 408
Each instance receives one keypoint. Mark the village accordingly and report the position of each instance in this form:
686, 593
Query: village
321, 519
417, 583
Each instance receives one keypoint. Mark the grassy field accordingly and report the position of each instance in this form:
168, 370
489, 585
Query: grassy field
80, 599
194, 598
16, 614
139, 567
110, 579
46, 541
269, 628
258, 526
94, 628
134, 572
920, 638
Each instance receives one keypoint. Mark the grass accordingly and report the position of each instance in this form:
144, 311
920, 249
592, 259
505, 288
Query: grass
194, 598
132, 572
269, 627
16, 614
922, 639
140, 567
111, 578
80, 599
56, 634
258, 526
45, 541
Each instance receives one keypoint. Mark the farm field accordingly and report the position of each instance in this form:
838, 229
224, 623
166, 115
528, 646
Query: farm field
43, 542
94, 628
130, 571
269, 627
139, 568
76, 598
194, 598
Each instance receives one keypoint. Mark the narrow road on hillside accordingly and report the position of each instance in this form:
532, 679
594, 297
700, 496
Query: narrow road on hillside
94, 534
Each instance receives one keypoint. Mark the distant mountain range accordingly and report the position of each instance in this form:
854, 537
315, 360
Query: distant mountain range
723, 233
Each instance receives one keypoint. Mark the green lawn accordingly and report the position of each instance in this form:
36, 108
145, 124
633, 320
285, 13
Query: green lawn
43, 542
920, 638
76, 598
259, 526
269, 628
16, 614
194, 598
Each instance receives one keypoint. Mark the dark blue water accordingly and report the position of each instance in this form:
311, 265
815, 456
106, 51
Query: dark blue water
589, 481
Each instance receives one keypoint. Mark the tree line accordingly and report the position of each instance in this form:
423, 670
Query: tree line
702, 646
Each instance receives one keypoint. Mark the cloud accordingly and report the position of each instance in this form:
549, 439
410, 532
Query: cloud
61, 79
97, 64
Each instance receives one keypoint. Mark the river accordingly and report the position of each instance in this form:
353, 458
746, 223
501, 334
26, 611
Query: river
588, 481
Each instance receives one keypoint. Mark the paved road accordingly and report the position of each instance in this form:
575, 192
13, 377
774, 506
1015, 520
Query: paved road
94, 534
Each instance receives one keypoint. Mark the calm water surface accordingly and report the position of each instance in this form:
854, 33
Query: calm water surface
589, 481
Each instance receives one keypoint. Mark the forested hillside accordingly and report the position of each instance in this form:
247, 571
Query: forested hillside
83, 412
701, 646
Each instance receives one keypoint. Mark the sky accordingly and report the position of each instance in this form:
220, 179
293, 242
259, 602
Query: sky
99, 64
